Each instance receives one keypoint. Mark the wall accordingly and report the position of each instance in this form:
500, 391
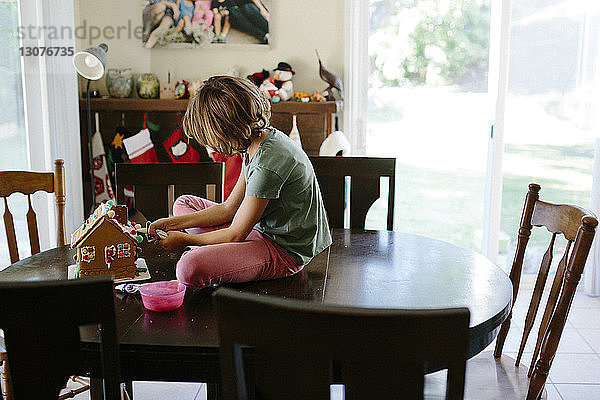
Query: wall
297, 28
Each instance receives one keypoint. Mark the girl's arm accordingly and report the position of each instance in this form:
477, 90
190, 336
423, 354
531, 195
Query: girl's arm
249, 213
218, 214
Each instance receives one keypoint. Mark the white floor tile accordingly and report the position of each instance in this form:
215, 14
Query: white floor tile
552, 392
585, 318
592, 337
582, 300
578, 392
572, 342
575, 368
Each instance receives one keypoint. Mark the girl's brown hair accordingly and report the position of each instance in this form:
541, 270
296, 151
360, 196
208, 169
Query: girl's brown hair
226, 113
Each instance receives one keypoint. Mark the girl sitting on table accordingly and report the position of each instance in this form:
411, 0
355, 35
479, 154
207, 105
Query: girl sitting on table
274, 221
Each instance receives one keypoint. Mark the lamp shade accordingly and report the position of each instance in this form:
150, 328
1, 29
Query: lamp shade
90, 62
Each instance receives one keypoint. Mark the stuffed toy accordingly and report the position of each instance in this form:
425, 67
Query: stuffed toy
258, 77
318, 96
283, 75
270, 90
301, 97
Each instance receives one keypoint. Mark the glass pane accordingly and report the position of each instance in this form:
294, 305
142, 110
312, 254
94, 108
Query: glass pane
428, 107
549, 114
13, 151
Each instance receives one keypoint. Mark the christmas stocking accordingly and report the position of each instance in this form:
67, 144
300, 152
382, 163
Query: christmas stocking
179, 149
140, 148
116, 155
233, 168
103, 187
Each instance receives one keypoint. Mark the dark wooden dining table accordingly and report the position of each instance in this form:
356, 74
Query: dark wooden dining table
379, 269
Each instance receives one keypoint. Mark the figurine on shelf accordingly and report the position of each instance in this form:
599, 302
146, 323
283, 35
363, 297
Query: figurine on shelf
181, 90
332, 80
283, 75
301, 97
167, 90
119, 82
258, 77
318, 96
270, 90
148, 86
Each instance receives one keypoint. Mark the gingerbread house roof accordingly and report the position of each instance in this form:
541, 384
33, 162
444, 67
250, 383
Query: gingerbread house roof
104, 219
101, 215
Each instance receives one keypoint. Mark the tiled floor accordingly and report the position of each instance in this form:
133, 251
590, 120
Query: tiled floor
575, 373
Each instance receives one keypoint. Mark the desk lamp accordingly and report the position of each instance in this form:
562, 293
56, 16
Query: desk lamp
90, 64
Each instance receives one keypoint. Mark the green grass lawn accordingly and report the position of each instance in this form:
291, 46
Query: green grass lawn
438, 139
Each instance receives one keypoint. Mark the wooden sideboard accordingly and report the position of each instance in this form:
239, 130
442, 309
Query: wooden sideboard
315, 123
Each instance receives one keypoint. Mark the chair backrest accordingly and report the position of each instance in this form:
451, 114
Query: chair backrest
27, 183
381, 353
41, 323
578, 227
365, 174
157, 185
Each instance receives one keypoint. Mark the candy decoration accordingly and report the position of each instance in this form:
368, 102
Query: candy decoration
123, 250
139, 238
88, 253
109, 254
111, 214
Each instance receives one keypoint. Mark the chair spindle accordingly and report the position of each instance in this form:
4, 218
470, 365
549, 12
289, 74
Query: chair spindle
517, 265
34, 238
536, 297
11, 237
550, 304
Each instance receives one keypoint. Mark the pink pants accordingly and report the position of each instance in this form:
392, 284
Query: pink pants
207, 16
256, 258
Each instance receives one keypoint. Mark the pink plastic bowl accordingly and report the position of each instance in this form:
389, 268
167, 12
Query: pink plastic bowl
162, 296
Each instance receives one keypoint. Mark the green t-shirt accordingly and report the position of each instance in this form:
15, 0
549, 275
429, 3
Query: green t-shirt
295, 218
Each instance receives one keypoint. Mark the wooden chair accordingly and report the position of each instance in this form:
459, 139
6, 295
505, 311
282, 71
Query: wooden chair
41, 323
381, 353
27, 183
509, 377
365, 173
156, 186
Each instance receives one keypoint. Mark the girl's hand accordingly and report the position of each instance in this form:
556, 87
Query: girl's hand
163, 224
175, 241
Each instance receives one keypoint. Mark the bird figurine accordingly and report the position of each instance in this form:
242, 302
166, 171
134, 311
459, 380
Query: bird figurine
331, 79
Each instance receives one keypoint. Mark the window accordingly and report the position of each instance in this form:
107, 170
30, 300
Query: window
13, 137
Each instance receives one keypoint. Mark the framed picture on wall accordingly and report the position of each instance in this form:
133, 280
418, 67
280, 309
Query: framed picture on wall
189, 23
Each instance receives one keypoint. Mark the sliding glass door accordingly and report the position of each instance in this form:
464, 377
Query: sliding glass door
550, 112
460, 147
429, 108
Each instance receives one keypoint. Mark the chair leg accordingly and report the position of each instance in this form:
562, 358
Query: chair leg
6, 394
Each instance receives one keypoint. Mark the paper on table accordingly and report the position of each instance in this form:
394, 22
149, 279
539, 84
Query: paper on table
139, 263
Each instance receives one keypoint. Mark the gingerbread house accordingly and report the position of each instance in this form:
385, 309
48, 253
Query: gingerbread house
106, 243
